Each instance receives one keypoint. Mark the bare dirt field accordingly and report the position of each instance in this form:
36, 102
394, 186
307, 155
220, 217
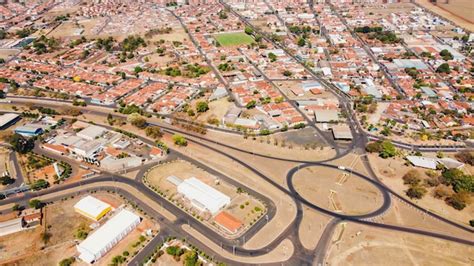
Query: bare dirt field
363, 245
61, 222
178, 34
217, 110
66, 29
311, 227
391, 171
161, 61
453, 13
388, 9
58, 11
461, 8
336, 190
4, 160
166, 260
6, 54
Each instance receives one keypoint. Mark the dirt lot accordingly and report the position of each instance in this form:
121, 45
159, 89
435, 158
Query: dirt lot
362, 245
161, 61
167, 260
25, 247
311, 227
388, 9
4, 160
391, 171
453, 13
8, 53
217, 109
178, 34
242, 206
336, 191
66, 29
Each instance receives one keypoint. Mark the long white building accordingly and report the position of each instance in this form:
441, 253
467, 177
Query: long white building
107, 236
202, 196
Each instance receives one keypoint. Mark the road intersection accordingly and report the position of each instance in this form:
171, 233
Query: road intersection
301, 255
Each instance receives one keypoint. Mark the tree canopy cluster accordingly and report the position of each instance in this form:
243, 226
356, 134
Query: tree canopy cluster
385, 148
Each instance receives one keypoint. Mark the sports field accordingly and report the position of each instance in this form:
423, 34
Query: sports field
233, 39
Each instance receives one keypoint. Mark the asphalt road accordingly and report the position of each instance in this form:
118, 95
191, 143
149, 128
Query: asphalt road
302, 256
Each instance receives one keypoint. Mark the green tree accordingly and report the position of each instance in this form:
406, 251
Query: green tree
446, 55
16, 207
67, 262
272, 57
459, 180
35, 203
287, 73
81, 234
202, 107
39, 184
251, 104
153, 132
444, 68
6, 180
301, 42
191, 259
118, 260
137, 120
388, 149
248, 30
179, 140
21, 144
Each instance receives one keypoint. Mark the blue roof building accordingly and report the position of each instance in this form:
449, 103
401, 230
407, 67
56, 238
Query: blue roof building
29, 130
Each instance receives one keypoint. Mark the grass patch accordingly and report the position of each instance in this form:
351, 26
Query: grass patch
233, 39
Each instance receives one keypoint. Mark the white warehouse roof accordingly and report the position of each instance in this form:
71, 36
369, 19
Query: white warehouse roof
7, 118
102, 240
424, 162
91, 132
203, 196
92, 207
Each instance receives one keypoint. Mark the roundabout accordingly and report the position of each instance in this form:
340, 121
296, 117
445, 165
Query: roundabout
310, 198
337, 190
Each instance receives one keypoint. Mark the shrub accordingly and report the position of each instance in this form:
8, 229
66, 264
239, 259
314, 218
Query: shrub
458, 201
67, 262
441, 192
412, 178
373, 147
466, 157
416, 192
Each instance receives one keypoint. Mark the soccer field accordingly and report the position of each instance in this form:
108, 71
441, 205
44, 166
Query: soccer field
233, 39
